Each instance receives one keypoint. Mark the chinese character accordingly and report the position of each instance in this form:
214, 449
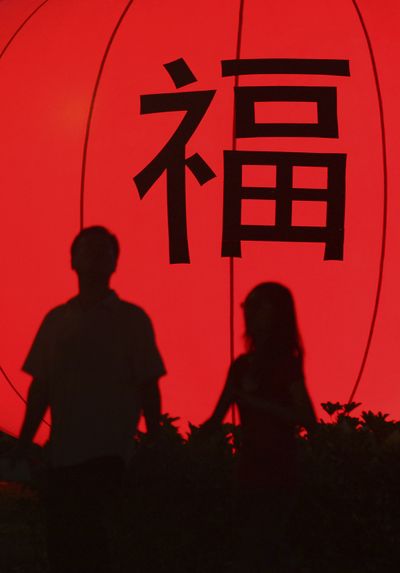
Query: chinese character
172, 158
284, 194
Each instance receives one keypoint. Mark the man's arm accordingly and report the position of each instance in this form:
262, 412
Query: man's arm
36, 406
151, 406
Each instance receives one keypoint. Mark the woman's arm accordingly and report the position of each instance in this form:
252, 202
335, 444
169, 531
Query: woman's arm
298, 411
279, 412
225, 400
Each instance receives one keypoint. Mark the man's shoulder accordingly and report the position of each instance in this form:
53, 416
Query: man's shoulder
57, 313
48, 332
126, 311
134, 315
131, 309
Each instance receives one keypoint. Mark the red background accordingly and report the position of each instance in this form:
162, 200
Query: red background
48, 74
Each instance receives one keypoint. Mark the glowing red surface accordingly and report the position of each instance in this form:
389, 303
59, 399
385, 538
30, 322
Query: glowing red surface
48, 75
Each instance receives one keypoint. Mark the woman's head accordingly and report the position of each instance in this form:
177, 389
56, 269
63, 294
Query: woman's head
270, 320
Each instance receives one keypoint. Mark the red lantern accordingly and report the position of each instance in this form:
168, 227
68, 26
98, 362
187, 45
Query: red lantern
75, 76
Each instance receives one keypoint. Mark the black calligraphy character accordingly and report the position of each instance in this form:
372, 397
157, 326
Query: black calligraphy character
332, 234
172, 158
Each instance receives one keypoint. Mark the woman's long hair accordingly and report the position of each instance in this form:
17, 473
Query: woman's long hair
270, 322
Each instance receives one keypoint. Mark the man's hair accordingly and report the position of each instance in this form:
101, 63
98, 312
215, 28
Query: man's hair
95, 231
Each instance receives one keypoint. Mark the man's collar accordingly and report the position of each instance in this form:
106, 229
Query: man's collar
109, 301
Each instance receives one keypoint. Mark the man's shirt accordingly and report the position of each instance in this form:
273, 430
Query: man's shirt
91, 363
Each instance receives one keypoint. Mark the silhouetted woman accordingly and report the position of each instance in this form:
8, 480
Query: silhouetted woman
267, 384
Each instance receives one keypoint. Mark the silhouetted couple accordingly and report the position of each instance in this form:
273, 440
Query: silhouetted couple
95, 363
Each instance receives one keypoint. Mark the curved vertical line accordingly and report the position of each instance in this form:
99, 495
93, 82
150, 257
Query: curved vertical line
3, 51
8, 380
231, 259
91, 109
18, 30
385, 201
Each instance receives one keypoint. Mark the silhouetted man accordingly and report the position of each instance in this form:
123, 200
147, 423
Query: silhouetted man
95, 363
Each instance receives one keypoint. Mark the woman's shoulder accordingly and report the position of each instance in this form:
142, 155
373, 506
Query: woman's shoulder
243, 361
296, 363
239, 366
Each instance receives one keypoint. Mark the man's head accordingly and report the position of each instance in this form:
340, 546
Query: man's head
94, 253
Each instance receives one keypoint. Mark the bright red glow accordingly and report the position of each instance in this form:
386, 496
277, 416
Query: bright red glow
48, 75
